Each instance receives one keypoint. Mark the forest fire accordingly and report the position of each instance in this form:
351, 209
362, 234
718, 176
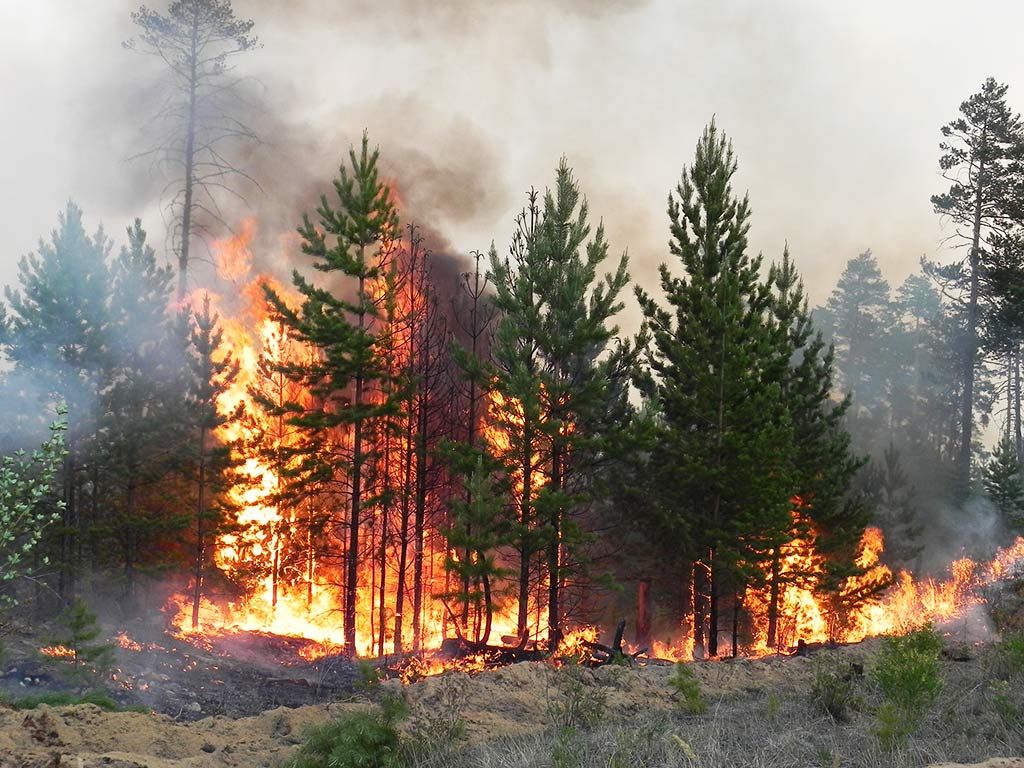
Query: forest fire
274, 547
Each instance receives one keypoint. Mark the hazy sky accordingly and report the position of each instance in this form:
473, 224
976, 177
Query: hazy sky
834, 110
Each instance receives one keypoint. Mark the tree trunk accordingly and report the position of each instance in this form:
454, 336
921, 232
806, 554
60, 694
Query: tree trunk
403, 544
200, 509
419, 521
1016, 402
773, 601
190, 142
971, 356
713, 605
554, 550
643, 613
352, 561
525, 549
699, 608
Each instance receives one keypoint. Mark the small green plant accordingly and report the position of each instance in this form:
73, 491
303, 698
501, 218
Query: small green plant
908, 675
440, 730
834, 688
891, 725
686, 690
1008, 657
60, 699
773, 706
907, 671
575, 703
1001, 697
369, 676
564, 750
79, 631
367, 739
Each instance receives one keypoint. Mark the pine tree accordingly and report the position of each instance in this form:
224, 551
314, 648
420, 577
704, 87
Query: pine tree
79, 631
141, 408
893, 499
558, 365
1004, 485
56, 339
353, 239
516, 400
202, 113
473, 315
858, 319
981, 160
725, 430
823, 463
208, 460
478, 531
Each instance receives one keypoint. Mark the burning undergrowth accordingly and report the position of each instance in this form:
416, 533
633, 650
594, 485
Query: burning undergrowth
280, 558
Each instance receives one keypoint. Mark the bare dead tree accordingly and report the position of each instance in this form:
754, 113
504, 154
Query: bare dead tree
199, 116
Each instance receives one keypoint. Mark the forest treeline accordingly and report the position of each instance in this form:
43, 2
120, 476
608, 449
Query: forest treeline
459, 445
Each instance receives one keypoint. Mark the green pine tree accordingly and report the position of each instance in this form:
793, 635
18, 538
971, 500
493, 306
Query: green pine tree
478, 531
557, 356
207, 461
56, 338
725, 434
858, 318
981, 160
78, 633
1004, 485
353, 238
141, 412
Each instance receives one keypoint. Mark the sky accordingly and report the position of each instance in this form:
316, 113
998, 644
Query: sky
834, 110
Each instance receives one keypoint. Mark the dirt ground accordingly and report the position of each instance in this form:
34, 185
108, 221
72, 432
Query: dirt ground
502, 704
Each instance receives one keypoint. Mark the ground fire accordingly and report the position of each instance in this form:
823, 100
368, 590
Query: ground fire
291, 587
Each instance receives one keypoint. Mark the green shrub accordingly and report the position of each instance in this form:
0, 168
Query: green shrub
79, 631
1001, 698
891, 725
61, 699
908, 672
574, 703
686, 690
369, 676
1008, 662
834, 688
367, 739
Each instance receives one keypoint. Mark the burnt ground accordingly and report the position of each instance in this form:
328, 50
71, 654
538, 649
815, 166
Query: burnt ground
233, 674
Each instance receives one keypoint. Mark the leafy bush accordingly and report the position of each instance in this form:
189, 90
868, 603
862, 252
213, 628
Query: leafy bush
1001, 698
1008, 661
369, 676
79, 631
892, 725
366, 739
834, 688
575, 704
908, 674
59, 699
686, 689
26, 507
907, 671
440, 730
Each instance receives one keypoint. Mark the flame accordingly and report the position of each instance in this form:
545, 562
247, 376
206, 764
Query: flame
58, 652
126, 642
282, 555
232, 254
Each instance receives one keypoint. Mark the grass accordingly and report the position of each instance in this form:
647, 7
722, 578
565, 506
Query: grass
60, 699
969, 719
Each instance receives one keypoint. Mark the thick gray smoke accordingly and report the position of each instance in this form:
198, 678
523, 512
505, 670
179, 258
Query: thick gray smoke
834, 113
